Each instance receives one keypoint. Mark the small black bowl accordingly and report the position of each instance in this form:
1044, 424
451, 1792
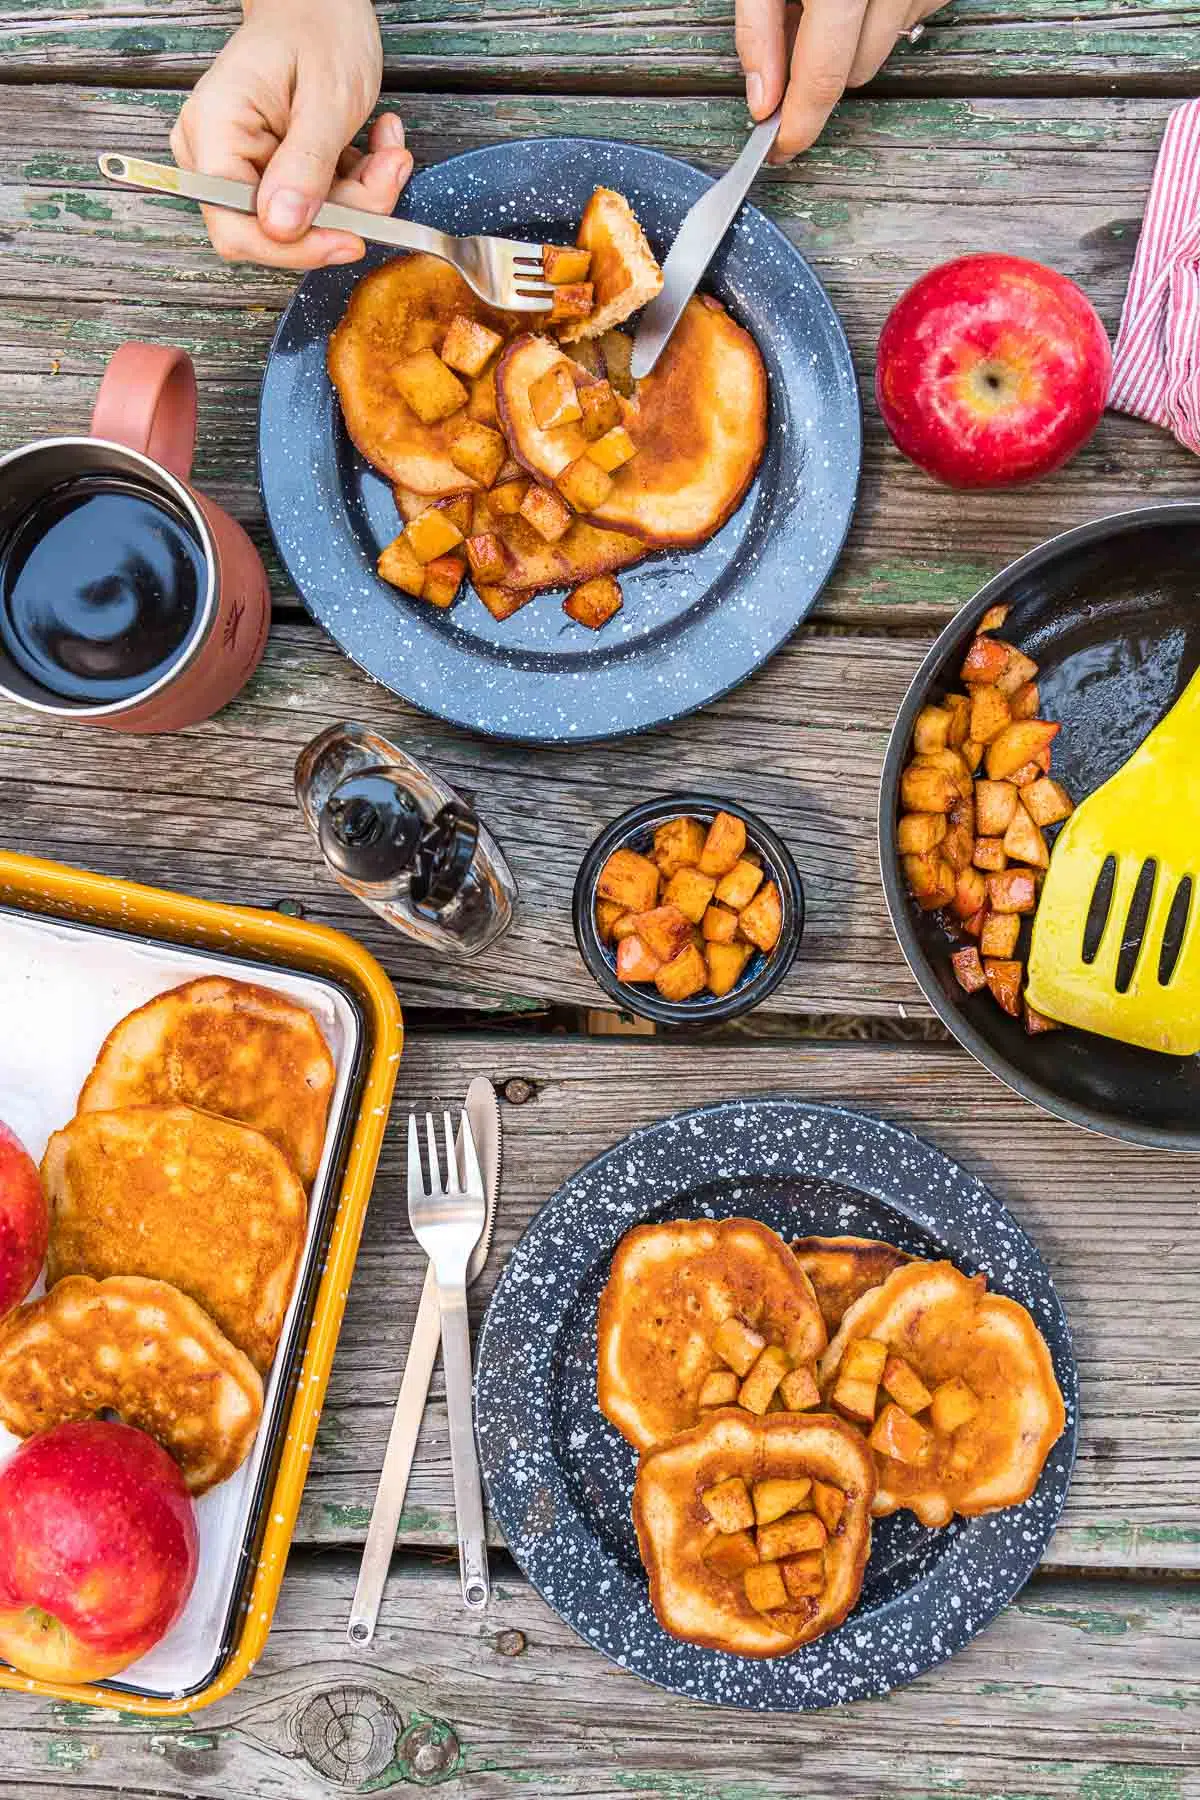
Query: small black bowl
634, 830
1108, 612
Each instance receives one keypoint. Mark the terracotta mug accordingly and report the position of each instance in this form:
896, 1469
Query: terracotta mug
144, 434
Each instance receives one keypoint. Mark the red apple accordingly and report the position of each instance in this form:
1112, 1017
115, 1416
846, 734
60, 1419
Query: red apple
98, 1550
24, 1221
992, 370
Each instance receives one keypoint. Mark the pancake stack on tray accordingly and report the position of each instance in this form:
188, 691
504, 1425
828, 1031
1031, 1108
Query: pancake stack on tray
178, 1203
782, 1396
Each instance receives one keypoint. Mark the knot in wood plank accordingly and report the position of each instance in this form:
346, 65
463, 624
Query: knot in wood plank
348, 1735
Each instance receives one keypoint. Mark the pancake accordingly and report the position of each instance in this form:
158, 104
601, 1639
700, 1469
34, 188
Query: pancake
228, 1047
401, 307
624, 272
698, 422
671, 1287
705, 1602
963, 1344
140, 1349
842, 1269
179, 1195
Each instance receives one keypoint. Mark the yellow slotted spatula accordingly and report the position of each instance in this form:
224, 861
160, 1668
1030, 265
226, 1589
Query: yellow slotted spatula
1147, 813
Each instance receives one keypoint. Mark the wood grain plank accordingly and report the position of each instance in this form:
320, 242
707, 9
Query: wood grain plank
895, 186
1128, 1271
990, 46
1079, 1691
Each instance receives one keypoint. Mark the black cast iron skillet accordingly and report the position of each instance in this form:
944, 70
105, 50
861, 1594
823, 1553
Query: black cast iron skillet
1111, 614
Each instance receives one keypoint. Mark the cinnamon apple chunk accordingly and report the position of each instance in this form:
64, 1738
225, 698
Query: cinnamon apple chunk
728, 1504
738, 1344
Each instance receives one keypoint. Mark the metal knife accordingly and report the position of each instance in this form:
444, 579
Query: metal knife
483, 1110
696, 243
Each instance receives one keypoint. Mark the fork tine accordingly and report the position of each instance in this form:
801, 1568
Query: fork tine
435, 1170
416, 1177
453, 1181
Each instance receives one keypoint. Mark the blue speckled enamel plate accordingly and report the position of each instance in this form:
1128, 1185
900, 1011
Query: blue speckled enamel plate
695, 623
560, 1477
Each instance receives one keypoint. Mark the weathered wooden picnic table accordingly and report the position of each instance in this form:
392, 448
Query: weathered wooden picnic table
1029, 128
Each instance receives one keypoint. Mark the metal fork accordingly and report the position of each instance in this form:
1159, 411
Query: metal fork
447, 1221
503, 272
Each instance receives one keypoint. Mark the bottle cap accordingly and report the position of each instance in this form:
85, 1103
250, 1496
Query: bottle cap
371, 828
447, 852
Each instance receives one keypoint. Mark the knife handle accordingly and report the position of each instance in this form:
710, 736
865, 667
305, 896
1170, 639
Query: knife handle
397, 1467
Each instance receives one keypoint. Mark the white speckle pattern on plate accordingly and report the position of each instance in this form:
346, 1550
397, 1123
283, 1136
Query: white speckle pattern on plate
695, 622
560, 1478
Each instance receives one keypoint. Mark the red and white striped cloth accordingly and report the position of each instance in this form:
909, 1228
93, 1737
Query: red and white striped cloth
1156, 362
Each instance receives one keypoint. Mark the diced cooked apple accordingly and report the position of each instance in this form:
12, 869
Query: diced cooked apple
952, 1405
506, 497
719, 1388
959, 842
1023, 841
952, 763
600, 407
762, 920
1017, 744
608, 913
458, 508
1004, 980
1036, 1023
970, 893
731, 1553
691, 891
897, 1435
990, 855
1047, 801
443, 578
994, 618
924, 789
552, 397
626, 925
829, 1503
684, 976
765, 1588
548, 513
1026, 702
677, 845
593, 603
985, 661
995, 804
629, 878
902, 1382
932, 729
989, 714
856, 1398
1019, 671
400, 565
974, 925
725, 964
918, 833
999, 935
723, 845
728, 1504
864, 1359
971, 753
804, 1575
799, 1391
968, 970
564, 264
485, 553
503, 602
583, 484
612, 451
775, 1497
635, 960
572, 300
959, 708
737, 1344
430, 388
468, 345
931, 879
719, 925
478, 451
1012, 891
788, 1537
431, 534
764, 1377
737, 888
665, 929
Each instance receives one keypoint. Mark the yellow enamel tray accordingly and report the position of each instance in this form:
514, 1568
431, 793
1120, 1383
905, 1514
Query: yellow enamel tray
53, 891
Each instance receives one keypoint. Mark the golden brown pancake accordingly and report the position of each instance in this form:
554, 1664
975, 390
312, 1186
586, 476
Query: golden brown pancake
228, 1047
138, 1348
179, 1195
670, 1287
842, 1269
698, 421
624, 272
399, 308
946, 1326
704, 1604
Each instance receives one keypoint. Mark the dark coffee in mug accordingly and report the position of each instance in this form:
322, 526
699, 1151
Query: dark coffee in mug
101, 584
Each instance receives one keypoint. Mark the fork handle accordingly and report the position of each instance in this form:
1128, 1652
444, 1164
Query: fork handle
464, 1457
240, 196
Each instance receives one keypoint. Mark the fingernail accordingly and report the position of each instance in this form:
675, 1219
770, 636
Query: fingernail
755, 92
342, 256
391, 130
289, 210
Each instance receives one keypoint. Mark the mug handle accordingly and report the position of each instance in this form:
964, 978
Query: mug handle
147, 401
